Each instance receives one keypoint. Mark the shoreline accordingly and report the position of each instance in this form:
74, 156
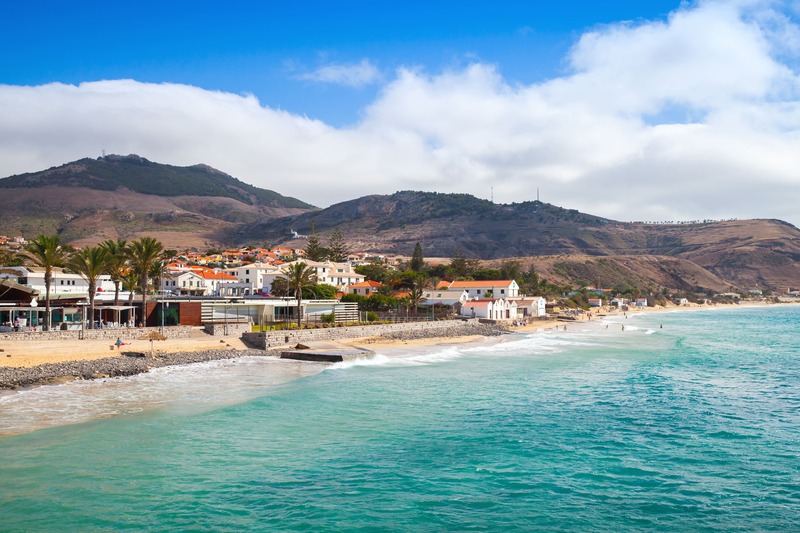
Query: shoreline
39, 364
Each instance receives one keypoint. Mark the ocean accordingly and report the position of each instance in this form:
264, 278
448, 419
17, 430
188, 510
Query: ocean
684, 421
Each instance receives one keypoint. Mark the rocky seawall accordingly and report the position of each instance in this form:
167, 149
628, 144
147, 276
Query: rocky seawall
132, 363
486, 330
123, 365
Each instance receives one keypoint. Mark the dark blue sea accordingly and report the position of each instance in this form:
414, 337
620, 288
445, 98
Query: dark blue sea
684, 421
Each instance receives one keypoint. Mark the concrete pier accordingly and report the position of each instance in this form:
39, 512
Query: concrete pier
326, 353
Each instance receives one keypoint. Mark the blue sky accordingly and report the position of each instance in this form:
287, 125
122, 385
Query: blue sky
265, 48
631, 110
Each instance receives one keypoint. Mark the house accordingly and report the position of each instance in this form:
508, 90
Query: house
619, 303
444, 297
595, 302
62, 282
340, 275
251, 278
490, 308
183, 282
365, 288
506, 288
641, 302
532, 307
214, 278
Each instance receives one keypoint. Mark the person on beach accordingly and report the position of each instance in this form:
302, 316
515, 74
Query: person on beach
623, 327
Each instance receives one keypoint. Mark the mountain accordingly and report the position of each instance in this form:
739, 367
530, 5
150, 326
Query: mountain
744, 253
91, 200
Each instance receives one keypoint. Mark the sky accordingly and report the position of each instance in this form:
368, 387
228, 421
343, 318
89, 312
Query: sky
648, 111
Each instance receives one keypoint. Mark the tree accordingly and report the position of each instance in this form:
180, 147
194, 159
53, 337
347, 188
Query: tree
487, 274
462, 267
337, 248
9, 258
373, 272
314, 249
298, 277
46, 252
510, 269
279, 287
417, 259
325, 291
157, 274
117, 262
90, 263
143, 254
415, 294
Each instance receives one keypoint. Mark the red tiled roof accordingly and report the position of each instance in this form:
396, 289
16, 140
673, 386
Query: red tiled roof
499, 283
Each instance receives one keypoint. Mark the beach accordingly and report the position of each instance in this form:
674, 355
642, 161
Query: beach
36, 362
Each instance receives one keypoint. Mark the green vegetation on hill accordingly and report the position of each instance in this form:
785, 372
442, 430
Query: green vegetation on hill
140, 175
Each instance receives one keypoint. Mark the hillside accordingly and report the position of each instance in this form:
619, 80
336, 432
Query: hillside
746, 254
128, 196
644, 271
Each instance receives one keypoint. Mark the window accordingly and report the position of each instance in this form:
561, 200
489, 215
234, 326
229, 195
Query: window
478, 291
247, 280
502, 291
247, 272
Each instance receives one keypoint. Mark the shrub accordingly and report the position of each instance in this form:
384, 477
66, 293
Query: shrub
372, 316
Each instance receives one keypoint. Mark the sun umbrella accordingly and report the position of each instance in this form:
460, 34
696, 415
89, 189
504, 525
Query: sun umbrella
153, 336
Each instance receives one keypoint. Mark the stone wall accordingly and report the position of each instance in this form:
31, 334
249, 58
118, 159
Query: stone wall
171, 332
219, 329
268, 339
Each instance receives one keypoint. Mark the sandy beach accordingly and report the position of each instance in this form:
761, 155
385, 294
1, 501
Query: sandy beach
27, 354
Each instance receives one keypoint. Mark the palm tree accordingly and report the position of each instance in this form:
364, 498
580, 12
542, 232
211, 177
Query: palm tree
46, 252
279, 287
90, 263
143, 254
9, 258
157, 273
117, 262
298, 277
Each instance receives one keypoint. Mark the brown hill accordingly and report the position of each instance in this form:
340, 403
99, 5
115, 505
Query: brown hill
650, 272
746, 254
90, 200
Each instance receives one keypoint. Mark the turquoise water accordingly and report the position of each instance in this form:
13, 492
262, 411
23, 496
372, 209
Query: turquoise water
690, 427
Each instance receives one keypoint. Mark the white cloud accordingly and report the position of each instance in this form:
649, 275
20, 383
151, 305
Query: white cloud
587, 140
357, 75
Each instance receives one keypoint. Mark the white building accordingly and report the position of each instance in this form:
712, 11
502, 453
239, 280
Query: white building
505, 288
62, 282
184, 282
340, 275
532, 307
444, 297
492, 309
195, 281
